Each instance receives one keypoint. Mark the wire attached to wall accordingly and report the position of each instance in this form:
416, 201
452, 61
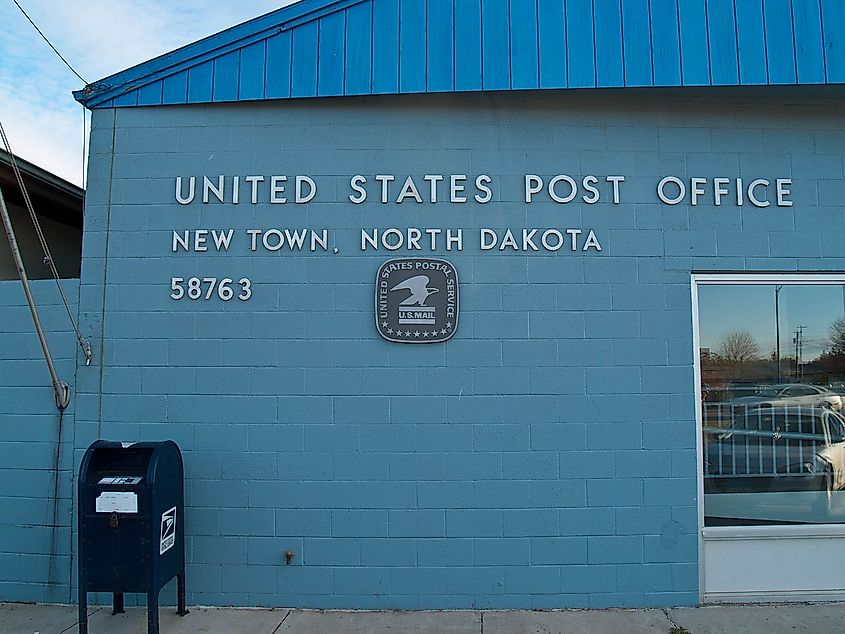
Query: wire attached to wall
48, 257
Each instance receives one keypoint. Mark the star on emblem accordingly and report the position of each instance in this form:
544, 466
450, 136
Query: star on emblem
443, 332
448, 324
417, 333
390, 331
384, 324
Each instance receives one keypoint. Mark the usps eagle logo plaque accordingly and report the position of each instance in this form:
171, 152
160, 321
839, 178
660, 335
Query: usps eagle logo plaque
417, 300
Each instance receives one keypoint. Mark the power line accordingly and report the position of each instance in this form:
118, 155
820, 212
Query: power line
49, 43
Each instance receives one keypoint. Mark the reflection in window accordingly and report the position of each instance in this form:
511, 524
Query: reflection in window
772, 388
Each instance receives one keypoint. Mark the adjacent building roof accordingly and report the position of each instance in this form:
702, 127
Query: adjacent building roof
323, 48
51, 195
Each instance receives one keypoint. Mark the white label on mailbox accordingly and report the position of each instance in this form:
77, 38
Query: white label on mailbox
116, 502
121, 480
168, 530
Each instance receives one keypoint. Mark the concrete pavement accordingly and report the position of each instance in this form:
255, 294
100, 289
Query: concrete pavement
792, 618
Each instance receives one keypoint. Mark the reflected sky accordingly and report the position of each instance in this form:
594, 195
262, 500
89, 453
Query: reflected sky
727, 308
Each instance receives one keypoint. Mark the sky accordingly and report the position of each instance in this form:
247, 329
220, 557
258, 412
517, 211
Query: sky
726, 308
98, 37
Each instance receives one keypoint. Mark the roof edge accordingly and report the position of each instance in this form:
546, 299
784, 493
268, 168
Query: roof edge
252, 30
39, 173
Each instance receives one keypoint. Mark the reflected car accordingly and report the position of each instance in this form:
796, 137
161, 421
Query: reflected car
791, 394
776, 449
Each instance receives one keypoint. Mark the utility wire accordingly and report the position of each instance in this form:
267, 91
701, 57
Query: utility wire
48, 257
49, 43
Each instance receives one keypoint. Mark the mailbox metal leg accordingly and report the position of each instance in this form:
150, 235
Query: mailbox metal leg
181, 610
83, 611
117, 604
152, 612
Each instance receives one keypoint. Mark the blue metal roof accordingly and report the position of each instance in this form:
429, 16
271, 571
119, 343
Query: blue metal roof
319, 48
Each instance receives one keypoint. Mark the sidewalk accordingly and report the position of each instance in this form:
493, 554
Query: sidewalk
794, 618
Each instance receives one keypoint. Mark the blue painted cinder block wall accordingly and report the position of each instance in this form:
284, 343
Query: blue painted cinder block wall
35, 489
542, 457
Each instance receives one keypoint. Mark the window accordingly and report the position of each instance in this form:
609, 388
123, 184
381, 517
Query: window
772, 367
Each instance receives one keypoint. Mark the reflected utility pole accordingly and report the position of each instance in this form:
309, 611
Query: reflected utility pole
799, 352
777, 327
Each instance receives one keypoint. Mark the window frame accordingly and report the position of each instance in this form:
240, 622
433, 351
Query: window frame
730, 533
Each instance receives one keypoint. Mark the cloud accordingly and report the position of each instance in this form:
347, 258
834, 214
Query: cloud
98, 38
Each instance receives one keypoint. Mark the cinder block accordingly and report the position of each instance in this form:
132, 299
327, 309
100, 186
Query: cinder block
674, 435
274, 494
219, 550
614, 549
341, 438
359, 523
586, 521
540, 465
670, 548
562, 380
613, 493
618, 435
361, 580
648, 520
417, 523
305, 580
473, 523
222, 381
389, 553
554, 270
417, 467
474, 409
308, 465
474, 466
355, 466
500, 325
417, 409
535, 296
448, 438
669, 491
804, 244
502, 551
642, 463
335, 551
542, 408
248, 578
529, 353
451, 552
305, 409
332, 382
330, 495
595, 296
389, 495
221, 437
612, 325
247, 522
505, 494
530, 523
615, 380
303, 523
444, 495
414, 581
476, 581
667, 380
507, 380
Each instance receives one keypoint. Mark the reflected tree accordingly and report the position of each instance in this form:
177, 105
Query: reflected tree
738, 347
837, 337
